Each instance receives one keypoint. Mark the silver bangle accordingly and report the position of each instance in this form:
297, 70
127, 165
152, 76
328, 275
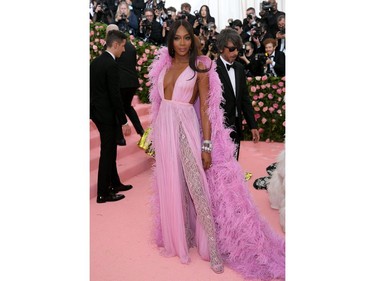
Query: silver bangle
207, 146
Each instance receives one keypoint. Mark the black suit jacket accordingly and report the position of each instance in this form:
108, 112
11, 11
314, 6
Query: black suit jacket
242, 99
279, 60
127, 63
105, 101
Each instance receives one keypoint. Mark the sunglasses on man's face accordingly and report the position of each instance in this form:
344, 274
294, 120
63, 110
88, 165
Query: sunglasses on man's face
231, 49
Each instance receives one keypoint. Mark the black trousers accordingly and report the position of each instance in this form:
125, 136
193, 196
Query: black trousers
236, 136
107, 173
127, 95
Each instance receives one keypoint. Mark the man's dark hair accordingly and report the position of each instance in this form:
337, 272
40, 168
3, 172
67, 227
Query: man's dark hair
237, 23
185, 5
226, 35
114, 36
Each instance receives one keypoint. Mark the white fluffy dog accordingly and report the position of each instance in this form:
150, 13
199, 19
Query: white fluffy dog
276, 188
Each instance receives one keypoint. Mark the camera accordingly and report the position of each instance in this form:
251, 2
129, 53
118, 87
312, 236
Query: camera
123, 17
241, 52
181, 15
282, 31
249, 17
212, 43
104, 6
160, 5
258, 32
230, 22
198, 17
266, 6
261, 57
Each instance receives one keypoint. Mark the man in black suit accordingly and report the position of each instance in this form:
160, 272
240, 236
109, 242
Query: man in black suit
129, 84
276, 59
107, 113
235, 91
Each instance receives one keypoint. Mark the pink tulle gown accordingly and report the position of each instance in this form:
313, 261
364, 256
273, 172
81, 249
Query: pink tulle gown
211, 209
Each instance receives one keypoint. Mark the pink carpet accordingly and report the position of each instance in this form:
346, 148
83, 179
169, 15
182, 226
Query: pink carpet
120, 246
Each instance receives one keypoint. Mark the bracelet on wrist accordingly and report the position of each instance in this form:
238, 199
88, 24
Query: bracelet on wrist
207, 146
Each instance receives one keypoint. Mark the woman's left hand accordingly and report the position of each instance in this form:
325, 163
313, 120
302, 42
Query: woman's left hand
206, 160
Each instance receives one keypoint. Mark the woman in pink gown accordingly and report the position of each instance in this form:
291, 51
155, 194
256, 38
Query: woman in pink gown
200, 196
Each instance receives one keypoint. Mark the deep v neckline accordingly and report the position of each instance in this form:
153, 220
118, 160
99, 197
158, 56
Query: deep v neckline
175, 83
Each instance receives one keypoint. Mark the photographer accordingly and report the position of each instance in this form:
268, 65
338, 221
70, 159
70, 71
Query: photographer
269, 14
203, 17
275, 62
247, 58
250, 21
102, 13
137, 6
257, 35
210, 49
125, 19
171, 17
237, 26
185, 13
280, 34
149, 28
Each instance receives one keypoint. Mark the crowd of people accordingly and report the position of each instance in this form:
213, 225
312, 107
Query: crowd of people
200, 198
263, 38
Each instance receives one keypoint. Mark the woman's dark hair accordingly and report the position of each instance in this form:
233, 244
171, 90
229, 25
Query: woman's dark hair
193, 47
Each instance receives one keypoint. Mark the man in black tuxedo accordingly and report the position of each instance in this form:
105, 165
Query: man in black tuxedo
276, 59
235, 91
129, 84
107, 113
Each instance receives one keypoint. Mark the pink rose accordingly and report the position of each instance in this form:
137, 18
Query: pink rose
253, 89
273, 121
279, 112
95, 48
274, 87
92, 33
91, 43
148, 84
284, 90
256, 108
139, 62
258, 78
264, 77
281, 84
140, 81
283, 78
261, 95
261, 130
147, 51
265, 109
153, 47
268, 85
255, 97
262, 87
279, 91
279, 99
271, 109
145, 76
253, 103
96, 40
102, 42
140, 89
270, 96
275, 105
249, 79
140, 43
258, 87
284, 123
260, 103
264, 120
138, 68
96, 27
283, 107
256, 116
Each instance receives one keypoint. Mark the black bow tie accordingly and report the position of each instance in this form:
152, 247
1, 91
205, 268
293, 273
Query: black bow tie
229, 66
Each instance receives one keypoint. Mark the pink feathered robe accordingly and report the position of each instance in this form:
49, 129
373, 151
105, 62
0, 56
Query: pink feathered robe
245, 240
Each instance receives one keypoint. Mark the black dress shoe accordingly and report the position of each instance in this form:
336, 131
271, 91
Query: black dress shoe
120, 187
109, 198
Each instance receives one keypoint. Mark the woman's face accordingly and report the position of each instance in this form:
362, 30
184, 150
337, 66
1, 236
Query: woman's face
123, 9
204, 12
182, 42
